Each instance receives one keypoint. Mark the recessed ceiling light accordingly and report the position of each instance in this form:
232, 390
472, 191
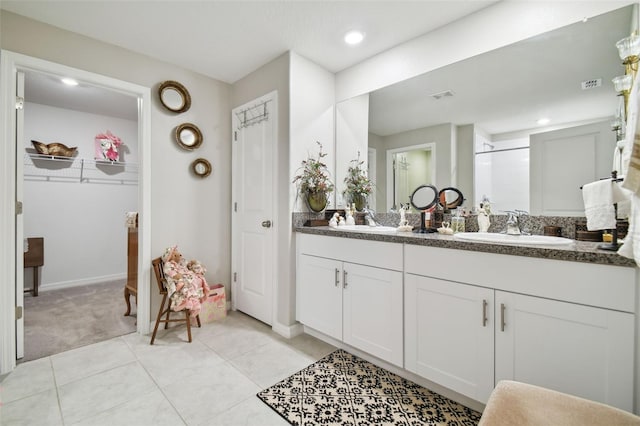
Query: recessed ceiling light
543, 121
353, 37
69, 81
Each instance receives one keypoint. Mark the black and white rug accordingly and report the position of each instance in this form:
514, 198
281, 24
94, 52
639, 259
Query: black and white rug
342, 389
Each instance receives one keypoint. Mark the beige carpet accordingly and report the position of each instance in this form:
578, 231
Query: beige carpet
59, 320
342, 389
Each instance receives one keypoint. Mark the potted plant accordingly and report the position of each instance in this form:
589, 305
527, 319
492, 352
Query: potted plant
358, 185
313, 181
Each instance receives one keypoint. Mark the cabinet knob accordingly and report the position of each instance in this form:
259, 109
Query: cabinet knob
337, 277
344, 279
266, 224
502, 323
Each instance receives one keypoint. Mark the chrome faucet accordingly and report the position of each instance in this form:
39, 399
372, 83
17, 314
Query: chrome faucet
514, 223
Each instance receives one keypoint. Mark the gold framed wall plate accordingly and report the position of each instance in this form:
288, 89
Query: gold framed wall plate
188, 136
201, 167
174, 96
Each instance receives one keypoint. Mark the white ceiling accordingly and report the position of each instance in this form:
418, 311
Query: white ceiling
509, 89
501, 91
227, 40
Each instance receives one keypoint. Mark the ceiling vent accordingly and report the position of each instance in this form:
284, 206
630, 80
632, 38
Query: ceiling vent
440, 95
590, 84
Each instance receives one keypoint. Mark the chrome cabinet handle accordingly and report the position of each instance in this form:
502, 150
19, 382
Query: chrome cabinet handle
337, 277
502, 323
484, 312
266, 224
344, 279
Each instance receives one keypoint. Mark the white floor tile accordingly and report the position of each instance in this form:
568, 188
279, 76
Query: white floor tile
40, 409
200, 398
237, 341
250, 412
27, 379
168, 364
127, 381
151, 409
92, 395
88, 360
270, 363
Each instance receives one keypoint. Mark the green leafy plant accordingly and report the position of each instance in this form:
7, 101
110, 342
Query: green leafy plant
313, 175
357, 181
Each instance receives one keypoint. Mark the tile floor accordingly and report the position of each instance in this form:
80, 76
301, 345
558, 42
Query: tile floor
126, 381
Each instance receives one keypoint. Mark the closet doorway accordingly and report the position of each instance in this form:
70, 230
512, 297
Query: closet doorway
76, 201
69, 201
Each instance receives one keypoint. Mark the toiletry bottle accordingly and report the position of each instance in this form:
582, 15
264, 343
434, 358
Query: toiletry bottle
457, 221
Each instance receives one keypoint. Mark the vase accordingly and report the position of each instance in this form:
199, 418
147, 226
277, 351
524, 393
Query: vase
360, 200
317, 201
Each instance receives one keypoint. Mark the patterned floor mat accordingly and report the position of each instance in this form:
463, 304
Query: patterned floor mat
342, 389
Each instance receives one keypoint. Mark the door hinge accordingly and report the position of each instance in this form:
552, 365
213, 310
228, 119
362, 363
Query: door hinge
235, 277
18, 312
235, 135
19, 102
18, 207
235, 207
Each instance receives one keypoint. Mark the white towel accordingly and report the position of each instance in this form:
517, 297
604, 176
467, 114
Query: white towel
598, 205
631, 246
622, 197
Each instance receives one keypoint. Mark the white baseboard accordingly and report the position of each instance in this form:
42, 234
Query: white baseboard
80, 282
287, 331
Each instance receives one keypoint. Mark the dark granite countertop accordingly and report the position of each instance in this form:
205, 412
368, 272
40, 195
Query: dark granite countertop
579, 251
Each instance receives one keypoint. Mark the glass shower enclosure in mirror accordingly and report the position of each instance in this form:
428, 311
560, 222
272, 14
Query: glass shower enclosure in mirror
500, 96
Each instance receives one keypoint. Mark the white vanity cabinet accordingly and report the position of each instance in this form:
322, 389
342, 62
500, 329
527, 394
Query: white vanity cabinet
563, 325
351, 290
449, 334
577, 349
319, 294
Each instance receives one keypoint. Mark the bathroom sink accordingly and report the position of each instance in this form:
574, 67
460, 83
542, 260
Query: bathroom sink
529, 240
366, 228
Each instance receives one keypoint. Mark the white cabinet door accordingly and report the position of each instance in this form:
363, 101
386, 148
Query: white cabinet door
449, 334
580, 350
319, 294
372, 302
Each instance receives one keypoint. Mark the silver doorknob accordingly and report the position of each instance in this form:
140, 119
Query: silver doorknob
266, 224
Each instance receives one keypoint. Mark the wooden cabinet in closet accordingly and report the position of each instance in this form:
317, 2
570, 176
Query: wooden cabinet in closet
131, 286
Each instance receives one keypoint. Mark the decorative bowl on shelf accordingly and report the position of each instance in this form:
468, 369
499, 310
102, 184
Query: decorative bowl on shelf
55, 149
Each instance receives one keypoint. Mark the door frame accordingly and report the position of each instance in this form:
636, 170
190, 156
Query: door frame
273, 97
427, 146
10, 63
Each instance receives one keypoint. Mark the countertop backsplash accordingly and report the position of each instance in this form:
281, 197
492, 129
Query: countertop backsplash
533, 224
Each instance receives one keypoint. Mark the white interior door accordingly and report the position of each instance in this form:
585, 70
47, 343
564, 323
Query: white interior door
19, 217
253, 193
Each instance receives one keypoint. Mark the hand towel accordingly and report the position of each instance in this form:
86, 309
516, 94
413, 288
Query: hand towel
622, 197
598, 205
631, 246
632, 177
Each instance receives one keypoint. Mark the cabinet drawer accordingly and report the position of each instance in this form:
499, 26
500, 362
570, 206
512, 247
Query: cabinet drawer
604, 286
362, 252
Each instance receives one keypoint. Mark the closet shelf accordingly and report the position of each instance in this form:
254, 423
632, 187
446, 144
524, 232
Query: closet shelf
40, 167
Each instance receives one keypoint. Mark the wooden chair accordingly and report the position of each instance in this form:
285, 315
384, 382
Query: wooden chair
162, 286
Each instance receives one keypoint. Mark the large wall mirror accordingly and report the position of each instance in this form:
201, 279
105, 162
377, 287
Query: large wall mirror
481, 116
